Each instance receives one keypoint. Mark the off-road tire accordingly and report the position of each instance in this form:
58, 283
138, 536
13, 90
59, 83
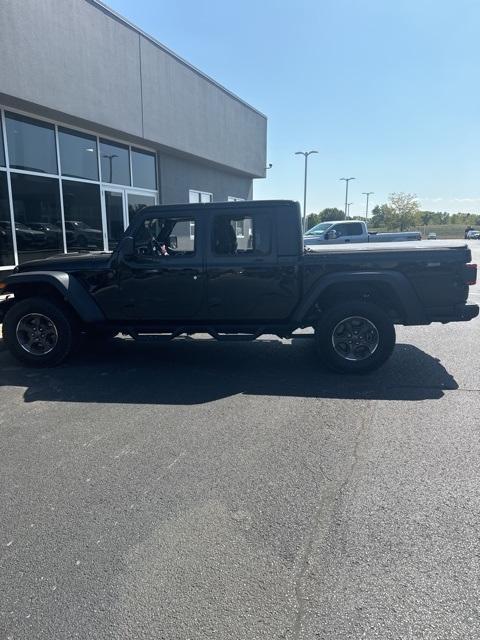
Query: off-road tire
59, 315
382, 335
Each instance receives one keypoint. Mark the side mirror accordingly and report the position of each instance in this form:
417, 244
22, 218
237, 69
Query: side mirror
331, 235
126, 248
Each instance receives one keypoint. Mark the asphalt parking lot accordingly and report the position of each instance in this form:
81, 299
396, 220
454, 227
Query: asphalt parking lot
207, 490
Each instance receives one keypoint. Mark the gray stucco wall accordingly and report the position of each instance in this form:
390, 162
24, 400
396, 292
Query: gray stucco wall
75, 58
178, 175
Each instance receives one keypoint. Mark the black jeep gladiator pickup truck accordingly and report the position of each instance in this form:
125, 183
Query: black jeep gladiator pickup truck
235, 271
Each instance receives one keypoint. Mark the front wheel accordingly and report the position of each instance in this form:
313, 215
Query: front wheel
38, 332
355, 337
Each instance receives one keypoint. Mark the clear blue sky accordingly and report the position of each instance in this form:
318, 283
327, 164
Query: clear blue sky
386, 90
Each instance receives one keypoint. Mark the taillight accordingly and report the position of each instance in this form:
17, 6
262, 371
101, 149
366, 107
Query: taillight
470, 275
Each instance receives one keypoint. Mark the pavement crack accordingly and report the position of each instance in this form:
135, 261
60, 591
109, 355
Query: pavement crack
300, 597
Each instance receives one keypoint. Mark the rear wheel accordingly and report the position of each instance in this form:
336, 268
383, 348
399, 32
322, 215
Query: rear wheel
39, 332
355, 337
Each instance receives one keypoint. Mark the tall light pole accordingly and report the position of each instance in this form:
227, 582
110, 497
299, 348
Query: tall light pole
347, 180
110, 157
348, 207
305, 154
368, 194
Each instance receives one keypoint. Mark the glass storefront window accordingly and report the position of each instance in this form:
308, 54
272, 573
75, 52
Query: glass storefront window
114, 215
78, 154
7, 257
31, 144
2, 150
115, 163
138, 202
83, 216
36, 206
144, 169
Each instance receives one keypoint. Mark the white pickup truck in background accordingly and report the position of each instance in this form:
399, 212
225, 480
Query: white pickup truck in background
338, 231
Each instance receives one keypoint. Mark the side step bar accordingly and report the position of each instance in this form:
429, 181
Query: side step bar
159, 337
167, 337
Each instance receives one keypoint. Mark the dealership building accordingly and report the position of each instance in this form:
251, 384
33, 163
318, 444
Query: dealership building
98, 120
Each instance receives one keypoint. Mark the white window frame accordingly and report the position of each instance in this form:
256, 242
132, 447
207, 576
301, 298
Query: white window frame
58, 176
235, 199
240, 228
195, 196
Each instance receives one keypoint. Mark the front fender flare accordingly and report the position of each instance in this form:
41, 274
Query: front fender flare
69, 288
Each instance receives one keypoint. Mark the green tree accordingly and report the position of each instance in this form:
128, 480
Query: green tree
330, 213
445, 218
379, 216
312, 220
402, 211
425, 217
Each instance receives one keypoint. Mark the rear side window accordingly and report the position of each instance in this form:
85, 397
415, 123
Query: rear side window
165, 238
234, 235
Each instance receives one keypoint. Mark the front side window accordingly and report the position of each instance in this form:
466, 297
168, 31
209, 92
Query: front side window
78, 154
31, 144
165, 238
6, 243
38, 227
241, 235
83, 215
115, 162
144, 169
348, 229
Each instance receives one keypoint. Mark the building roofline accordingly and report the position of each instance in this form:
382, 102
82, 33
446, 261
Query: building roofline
99, 4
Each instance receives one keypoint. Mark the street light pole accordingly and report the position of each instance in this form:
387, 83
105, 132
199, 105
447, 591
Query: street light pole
348, 206
347, 180
368, 194
305, 154
110, 158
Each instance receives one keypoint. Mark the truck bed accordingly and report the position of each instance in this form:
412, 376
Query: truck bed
457, 250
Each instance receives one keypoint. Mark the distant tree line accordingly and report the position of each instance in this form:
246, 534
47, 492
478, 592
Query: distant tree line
401, 212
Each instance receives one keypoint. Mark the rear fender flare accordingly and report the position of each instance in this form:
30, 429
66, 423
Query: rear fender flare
396, 281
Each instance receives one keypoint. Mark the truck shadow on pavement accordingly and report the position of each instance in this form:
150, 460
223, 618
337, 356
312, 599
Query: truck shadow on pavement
191, 371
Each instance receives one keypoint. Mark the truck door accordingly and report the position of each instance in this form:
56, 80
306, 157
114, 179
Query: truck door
244, 278
164, 279
349, 232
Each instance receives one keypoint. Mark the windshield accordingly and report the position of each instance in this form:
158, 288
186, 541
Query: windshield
319, 229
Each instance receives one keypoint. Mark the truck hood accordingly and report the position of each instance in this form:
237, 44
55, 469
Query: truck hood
68, 262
